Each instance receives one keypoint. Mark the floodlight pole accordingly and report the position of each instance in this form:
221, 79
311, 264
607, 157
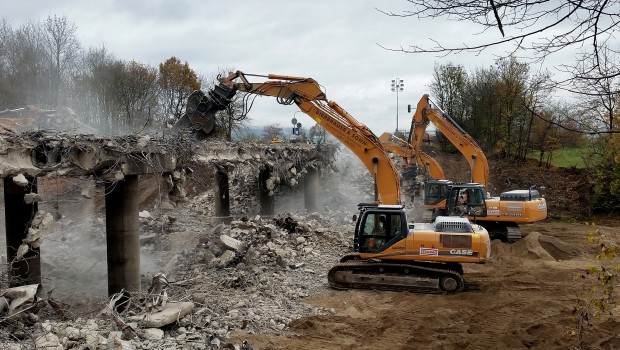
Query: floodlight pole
397, 86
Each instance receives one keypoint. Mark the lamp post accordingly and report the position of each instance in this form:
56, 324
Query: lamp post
397, 86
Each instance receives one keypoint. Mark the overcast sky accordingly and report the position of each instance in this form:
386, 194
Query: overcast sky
333, 41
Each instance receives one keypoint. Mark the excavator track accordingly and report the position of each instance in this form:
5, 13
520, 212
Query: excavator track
369, 274
513, 233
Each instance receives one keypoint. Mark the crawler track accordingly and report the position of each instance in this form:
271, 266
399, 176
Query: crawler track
398, 276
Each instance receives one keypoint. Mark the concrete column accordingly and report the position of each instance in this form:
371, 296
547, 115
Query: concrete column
222, 193
18, 217
266, 201
123, 241
311, 189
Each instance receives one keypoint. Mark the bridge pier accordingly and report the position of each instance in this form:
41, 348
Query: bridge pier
18, 217
122, 236
222, 192
265, 186
311, 189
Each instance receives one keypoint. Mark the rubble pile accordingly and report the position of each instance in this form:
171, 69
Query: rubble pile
203, 279
250, 275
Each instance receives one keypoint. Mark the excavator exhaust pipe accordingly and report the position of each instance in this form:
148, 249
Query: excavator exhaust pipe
201, 108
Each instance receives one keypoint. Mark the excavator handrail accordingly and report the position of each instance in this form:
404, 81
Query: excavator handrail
308, 96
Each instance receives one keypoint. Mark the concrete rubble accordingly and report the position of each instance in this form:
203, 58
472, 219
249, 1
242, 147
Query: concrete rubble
210, 279
250, 275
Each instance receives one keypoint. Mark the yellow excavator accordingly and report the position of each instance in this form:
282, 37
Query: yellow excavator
390, 253
411, 156
499, 215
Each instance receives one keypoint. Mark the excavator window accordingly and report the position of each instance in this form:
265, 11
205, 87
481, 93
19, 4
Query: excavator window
379, 228
467, 201
434, 193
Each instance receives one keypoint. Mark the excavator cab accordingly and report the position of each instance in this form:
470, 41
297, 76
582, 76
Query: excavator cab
451, 199
466, 200
378, 227
435, 192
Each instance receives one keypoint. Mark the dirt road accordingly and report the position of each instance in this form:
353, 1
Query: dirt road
522, 299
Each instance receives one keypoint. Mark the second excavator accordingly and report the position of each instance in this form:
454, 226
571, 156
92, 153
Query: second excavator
390, 253
500, 215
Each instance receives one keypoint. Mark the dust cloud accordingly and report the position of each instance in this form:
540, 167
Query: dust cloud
348, 185
73, 253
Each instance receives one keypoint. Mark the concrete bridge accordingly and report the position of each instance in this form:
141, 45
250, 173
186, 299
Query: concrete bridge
116, 163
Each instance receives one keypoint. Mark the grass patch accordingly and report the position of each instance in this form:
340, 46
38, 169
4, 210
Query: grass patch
566, 157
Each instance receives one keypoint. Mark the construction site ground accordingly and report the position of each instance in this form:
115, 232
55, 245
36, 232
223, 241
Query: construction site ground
523, 298
274, 294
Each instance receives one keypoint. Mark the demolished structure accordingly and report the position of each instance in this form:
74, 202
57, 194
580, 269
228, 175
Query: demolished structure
115, 166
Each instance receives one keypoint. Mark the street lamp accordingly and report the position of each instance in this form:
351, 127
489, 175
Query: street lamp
397, 86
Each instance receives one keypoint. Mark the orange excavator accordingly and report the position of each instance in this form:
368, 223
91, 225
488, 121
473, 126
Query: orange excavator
412, 156
390, 253
499, 215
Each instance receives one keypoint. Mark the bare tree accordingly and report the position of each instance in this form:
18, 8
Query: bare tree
94, 86
136, 90
236, 113
273, 131
62, 52
537, 28
24, 57
5, 89
603, 88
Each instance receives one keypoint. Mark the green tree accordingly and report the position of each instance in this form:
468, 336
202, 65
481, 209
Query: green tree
511, 86
606, 172
449, 88
483, 109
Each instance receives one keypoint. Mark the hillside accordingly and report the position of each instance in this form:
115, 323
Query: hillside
563, 188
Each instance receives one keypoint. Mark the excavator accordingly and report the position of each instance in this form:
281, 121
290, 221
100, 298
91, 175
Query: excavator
390, 253
405, 150
499, 215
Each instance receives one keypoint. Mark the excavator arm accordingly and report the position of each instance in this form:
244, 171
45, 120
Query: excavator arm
468, 147
308, 96
406, 151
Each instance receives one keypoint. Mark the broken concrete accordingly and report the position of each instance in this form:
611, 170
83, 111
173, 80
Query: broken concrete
172, 312
40, 154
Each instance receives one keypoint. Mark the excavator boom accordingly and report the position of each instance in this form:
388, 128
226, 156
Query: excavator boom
406, 151
468, 147
308, 96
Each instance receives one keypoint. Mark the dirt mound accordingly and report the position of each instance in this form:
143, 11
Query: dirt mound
533, 247
557, 248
